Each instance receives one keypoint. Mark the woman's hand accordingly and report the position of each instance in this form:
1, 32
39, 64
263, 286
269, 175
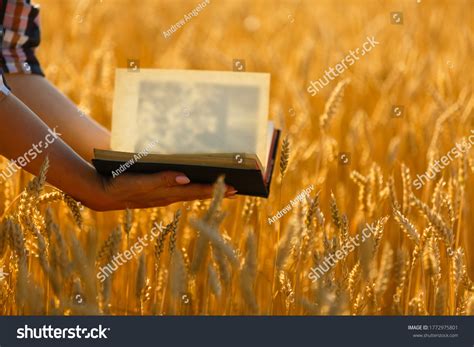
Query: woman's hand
131, 190
78, 178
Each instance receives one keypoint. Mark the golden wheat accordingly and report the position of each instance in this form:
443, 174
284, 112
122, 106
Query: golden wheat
223, 257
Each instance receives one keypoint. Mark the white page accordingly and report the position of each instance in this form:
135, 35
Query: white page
191, 111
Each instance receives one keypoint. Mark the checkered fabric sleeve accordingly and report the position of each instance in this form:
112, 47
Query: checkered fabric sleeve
20, 35
4, 90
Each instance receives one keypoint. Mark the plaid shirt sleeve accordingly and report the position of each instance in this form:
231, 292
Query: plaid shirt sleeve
20, 36
4, 90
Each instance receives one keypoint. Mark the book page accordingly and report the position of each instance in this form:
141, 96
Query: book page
268, 145
190, 111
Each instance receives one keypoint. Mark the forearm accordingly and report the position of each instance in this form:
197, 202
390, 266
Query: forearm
21, 129
82, 133
20, 135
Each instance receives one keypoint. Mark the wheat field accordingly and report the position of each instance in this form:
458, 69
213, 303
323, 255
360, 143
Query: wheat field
225, 257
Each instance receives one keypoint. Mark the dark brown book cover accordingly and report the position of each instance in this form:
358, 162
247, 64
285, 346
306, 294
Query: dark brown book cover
246, 181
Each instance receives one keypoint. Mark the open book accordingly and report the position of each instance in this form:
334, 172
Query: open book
201, 123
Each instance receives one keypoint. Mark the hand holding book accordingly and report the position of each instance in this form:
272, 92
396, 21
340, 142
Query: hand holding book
201, 123
151, 190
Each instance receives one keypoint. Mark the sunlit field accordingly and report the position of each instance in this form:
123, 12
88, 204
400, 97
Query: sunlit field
357, 147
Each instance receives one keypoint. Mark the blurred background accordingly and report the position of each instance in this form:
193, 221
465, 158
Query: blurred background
296, 41
360, 143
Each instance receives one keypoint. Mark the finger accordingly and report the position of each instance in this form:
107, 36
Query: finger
230, 190
164, 179
189, 192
